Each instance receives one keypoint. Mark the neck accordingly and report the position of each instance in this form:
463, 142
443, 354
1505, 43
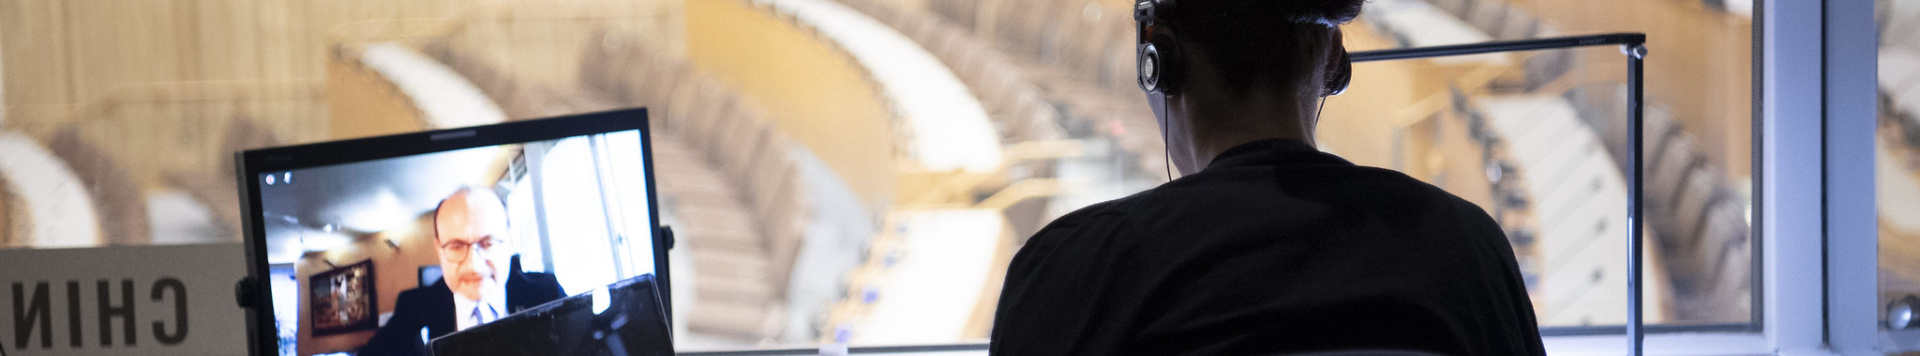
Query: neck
1254, 120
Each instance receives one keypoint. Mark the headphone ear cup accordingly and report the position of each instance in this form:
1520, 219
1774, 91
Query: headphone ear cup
1160, 66
1341, 76
1147, 60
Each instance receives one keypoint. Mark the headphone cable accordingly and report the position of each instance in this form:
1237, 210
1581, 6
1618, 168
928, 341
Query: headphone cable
1316, 120
1166, 146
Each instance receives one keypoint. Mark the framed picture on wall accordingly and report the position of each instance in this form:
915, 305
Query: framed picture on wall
343, 300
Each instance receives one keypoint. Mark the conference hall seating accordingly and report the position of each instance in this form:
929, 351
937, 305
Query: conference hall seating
1012, 100
1697, 218
922, 283
1080, 52
735, 292
1898, 147
444, 97
1579, 208
1025, 29
1026, 95
1896, 20
1899, 58
216, 190
736, 194
1416, 23
732, 196
1899, 82
117, 198
1085, 39
15, 221
57, 209
945, 128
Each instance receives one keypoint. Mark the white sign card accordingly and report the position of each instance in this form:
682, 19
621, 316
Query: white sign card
150, 300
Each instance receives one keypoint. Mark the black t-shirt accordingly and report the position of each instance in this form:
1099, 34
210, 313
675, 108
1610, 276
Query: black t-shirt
1275, 247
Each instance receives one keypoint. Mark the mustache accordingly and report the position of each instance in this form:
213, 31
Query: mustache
470, 273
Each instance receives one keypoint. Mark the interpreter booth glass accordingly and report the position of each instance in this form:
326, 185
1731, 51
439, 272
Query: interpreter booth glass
1546, 153
1897, 172
1540, 140
496, 219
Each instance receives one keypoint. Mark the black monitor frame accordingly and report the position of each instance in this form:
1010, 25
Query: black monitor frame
254, 292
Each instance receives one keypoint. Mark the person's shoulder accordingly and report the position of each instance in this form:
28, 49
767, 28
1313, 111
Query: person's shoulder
539, 277
1393, 178
1099, 220
1098, 211
1403, 185
423, 298
1098, 214
539, 280
427, 291
1397, 191
1433, 201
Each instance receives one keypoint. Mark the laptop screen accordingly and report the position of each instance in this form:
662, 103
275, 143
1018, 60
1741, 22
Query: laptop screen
602, 322
376, 246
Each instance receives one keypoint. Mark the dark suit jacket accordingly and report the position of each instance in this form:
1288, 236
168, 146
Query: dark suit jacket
431, 307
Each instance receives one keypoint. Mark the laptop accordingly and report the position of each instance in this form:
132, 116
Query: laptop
546, 225
613, 321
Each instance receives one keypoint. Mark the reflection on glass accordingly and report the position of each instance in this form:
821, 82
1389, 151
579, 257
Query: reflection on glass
1897, 170
810, 207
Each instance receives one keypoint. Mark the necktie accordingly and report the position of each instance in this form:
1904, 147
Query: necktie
475, 318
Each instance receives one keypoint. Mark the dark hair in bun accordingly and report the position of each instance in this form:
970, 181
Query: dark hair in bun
1263, 42
1298, 11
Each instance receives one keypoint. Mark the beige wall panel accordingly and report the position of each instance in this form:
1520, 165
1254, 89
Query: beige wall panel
36, 68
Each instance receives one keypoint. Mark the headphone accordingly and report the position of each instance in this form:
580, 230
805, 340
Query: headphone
1161, 65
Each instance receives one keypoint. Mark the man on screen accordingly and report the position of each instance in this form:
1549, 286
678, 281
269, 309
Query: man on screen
482, 280
1266, 245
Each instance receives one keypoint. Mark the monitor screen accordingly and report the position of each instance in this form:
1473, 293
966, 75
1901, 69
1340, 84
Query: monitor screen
387, 243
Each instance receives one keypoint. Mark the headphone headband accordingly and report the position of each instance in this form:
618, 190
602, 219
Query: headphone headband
1161, 66
1152, 10
1159, 10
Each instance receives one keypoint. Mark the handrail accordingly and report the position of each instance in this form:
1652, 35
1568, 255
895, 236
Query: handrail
1624, 39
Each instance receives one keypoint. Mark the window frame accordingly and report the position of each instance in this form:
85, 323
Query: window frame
1812, 128
1816, 130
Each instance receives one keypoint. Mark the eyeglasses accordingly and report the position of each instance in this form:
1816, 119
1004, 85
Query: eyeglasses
457, 250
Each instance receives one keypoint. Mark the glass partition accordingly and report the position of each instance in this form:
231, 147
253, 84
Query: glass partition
1897, 172
812, 199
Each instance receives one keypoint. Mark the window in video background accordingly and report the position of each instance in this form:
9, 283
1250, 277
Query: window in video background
325, 221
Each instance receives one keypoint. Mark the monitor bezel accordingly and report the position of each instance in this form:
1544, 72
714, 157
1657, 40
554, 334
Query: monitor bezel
263, 335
